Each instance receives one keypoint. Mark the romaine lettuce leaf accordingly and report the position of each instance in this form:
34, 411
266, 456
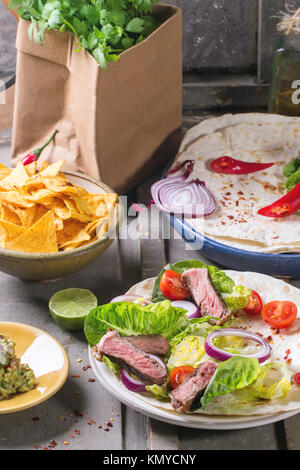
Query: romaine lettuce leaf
160, 393
235, 297
113, 366
188, 352
135, 319
273, 382
235, 373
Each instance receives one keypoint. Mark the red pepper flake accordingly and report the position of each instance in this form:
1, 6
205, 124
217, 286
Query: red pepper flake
109, 423
240, 193
230, 217
228, 194
78, 413
72, 435
86, 367
91, 421
75, 376
52, 444
100, 427
35, 418
91, 379
223, 223
106, 429
36, 446
237, 203
46, 448
288, 361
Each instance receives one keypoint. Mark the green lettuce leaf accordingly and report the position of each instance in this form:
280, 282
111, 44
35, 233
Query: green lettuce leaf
235, 297
292, 180
115, 368
273, 382
135, 319
291, 167
160, 393
235, 373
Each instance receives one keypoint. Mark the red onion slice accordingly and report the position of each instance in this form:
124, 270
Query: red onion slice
221, 355
192, 310
177, 196
187, 166
131, 298
134, 385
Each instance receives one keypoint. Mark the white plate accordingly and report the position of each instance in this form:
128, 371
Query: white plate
131, 399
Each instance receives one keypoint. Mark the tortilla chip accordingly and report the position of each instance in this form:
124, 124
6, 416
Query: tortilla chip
44, 165
51, 212
40, 238
26, 215
4, 172
17, 177
52, 170
16, 198
31, 168
9, 232
39, 212
73, 234
8, 214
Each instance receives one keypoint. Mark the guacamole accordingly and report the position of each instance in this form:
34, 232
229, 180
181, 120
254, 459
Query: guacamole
14, 376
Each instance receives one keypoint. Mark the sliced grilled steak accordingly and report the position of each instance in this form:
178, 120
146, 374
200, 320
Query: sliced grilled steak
152, 344
184, 395
198, 282
135, 360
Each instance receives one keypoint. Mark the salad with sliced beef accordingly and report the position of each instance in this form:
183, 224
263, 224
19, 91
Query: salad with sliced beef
198, 339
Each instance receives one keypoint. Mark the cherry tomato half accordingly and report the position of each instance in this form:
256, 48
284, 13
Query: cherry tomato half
179, 375
254, 305
279, 313
172, 286
297, 378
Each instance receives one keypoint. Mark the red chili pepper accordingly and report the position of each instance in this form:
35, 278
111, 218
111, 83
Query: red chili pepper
34, 155
284, 206
231, 166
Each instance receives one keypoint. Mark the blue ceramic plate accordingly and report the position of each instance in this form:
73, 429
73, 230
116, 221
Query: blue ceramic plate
281, 265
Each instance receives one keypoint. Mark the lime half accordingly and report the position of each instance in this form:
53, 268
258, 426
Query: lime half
70, 307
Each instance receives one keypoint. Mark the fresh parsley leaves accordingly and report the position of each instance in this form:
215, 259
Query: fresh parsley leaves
105, 28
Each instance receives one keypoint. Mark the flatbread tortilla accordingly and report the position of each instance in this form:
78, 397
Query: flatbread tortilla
254, 137
269, 289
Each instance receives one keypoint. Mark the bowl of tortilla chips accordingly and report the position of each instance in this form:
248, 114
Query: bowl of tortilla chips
53, 223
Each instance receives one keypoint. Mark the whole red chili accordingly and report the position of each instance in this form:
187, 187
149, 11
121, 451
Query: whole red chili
231, 166
34, 155
284, 206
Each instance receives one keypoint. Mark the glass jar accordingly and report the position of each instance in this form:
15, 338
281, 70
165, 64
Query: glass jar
285, 76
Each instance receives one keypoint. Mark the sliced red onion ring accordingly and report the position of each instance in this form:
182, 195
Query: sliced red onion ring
192, 310
131, 298
134, 385
177, 196
221, 355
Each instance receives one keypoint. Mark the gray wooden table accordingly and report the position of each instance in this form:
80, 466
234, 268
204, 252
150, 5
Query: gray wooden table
77, 416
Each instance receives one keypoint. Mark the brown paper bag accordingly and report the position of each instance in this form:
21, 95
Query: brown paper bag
117, 125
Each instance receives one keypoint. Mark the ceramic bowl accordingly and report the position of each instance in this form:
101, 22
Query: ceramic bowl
279, 265
49, 266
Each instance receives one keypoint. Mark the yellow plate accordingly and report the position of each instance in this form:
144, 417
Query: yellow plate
46, 357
